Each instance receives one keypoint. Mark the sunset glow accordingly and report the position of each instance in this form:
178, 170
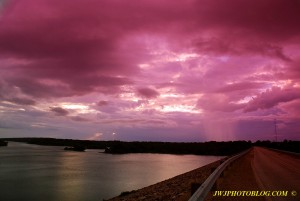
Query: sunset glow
195, 70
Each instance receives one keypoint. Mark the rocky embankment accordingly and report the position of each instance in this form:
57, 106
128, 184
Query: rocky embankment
178, 188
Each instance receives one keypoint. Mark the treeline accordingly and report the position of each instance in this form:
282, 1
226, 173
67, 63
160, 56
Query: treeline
120, 147
198, 148
205, 148
286, 145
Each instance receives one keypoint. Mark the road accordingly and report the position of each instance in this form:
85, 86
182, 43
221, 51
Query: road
277, 171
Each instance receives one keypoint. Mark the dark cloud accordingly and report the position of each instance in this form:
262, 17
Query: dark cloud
102, 103
147, 93
238, 46
22, 101
34, 88
78, 118
271, 19
59, 111
292, 72
73, 47
271, 98
241, 86
292, 107
12, 94
91, 47
115, 107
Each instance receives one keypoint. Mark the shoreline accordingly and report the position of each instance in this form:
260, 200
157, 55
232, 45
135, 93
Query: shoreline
177, 188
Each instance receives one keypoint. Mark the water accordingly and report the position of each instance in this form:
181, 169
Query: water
35, 173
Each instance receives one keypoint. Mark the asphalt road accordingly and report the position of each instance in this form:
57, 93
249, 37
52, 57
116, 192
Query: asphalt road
277, 171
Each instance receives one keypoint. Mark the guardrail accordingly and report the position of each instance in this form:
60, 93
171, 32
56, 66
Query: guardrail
284, 151
204, 189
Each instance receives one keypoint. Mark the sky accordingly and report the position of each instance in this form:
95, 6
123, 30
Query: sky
150, 70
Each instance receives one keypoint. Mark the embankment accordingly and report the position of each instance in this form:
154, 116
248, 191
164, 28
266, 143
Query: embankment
177, 188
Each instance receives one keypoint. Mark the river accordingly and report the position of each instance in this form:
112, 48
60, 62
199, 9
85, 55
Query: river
48, 173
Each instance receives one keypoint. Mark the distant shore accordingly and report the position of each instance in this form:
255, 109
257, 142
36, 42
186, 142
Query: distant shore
3, 143
121, 147
196, 148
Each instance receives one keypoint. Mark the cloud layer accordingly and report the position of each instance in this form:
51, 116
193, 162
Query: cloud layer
190, 70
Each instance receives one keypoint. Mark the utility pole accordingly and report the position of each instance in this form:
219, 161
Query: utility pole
275, 129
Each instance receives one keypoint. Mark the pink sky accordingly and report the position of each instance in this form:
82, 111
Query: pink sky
150, 70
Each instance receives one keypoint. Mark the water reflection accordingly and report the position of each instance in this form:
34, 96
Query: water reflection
70, 176
32, 172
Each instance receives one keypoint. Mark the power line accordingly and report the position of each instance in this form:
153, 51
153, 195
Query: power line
275, 129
